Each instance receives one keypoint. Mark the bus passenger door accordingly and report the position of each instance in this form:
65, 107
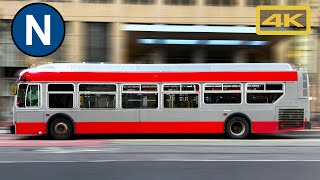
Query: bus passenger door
29, 116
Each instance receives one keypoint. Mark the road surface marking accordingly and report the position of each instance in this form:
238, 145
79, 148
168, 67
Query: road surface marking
4, 131
168, 160
214, 140
48, 143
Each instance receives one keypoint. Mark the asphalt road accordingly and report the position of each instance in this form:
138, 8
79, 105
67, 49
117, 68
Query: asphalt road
163, 170
290, 156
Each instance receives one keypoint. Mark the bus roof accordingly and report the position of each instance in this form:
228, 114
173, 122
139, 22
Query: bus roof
235, 72
208, 67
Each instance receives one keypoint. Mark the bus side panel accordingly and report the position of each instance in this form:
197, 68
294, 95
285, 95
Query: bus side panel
180, 121
262, 118
30, 122
107, 121
265, 118
197, 121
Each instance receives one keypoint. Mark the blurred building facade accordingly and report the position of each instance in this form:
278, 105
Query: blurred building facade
161, 31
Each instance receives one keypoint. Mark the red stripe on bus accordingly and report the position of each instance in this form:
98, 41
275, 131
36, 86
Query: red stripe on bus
264, 127
149, 127
182, 127
271, 127
30, 127
159, 76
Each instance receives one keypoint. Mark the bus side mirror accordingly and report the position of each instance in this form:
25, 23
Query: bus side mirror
14, 89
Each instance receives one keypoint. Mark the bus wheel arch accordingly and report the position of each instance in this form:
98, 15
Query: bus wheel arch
62, 121
238, 121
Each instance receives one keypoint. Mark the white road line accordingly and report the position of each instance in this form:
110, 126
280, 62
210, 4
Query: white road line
4, 131
168, 160
211, 140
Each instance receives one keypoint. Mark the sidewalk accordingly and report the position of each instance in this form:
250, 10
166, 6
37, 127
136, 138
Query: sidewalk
315, 124
5, 125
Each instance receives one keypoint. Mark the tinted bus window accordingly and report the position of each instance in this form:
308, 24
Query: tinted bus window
99, 96
60, 100
139, 96
181, 100
256, 98
181, 96
222, 98
21, 96
60, 95
222, 94
264, 93
139, 100
97, 101
98, 87
60, 87
274, 87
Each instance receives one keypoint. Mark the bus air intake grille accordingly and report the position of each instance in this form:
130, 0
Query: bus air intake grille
291, 118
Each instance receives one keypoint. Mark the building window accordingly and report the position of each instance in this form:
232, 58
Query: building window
28, 96
261, 2
138, 1
60, 95
222, 94
295, 2
181, 96
96, 42
221, 2
100, 96
57, 0
180, 2
97, 1
143, 96
264, 93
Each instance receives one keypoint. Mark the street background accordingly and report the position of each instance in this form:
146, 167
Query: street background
161, 31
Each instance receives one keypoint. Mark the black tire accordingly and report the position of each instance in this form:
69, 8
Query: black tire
61, 129
237, 128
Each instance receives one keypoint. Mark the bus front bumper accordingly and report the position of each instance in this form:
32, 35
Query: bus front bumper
12, 129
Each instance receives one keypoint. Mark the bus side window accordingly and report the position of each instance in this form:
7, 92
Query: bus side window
222, 94
181, 96
265, 94
144, 96
60, 95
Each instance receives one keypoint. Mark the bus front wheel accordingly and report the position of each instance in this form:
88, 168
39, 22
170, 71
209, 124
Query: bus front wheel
61, 129
237, 128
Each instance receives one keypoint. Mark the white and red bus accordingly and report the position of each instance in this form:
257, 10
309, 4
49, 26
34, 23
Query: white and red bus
237, 99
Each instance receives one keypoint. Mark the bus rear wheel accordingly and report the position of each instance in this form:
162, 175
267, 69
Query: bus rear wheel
237, 128
61, 129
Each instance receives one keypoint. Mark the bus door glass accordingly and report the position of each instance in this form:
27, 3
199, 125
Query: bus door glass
28, 96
